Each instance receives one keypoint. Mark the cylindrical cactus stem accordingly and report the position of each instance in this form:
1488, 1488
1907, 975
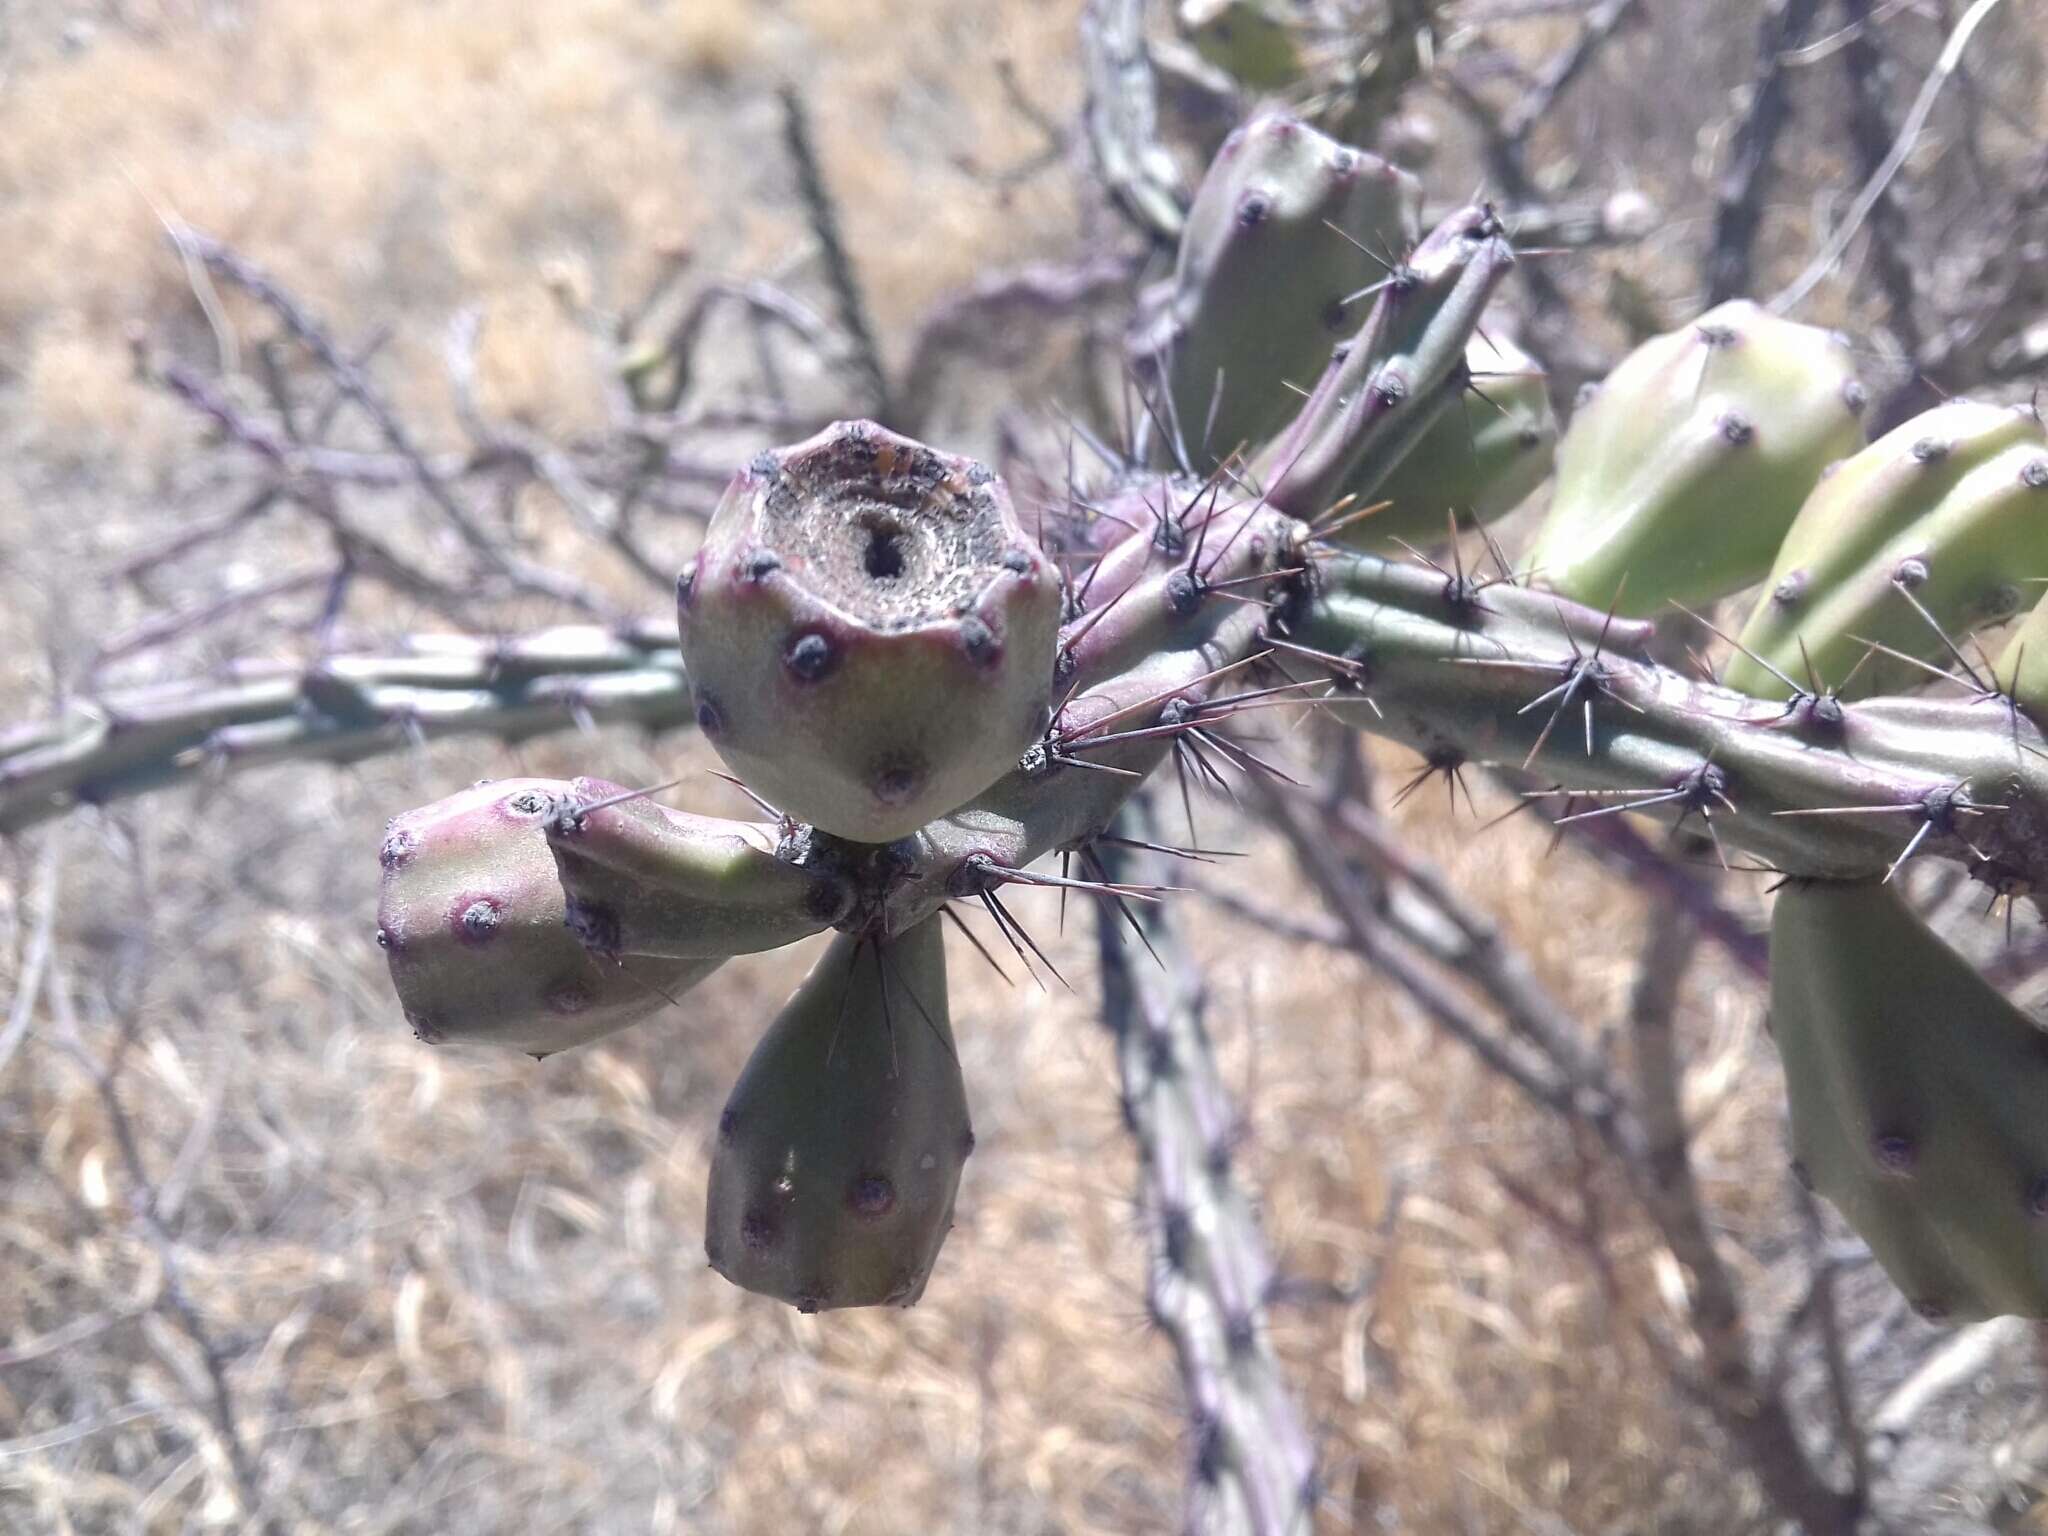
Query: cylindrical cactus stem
1209, 1270
1814, 787
645, 880
1916, 1096
840, 1151
1678, 477
1923, 537
473, 923
1289, 226
869, 631
1385, 387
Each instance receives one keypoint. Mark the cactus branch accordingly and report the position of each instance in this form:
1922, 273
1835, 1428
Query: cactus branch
1210, 1271
342, 709
1122, 118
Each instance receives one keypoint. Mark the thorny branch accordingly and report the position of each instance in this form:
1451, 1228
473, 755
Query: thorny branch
1209, 1272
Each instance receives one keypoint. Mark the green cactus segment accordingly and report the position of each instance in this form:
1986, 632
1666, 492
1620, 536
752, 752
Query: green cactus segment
1919, 1099
1258, 296
840, 1150
473, 923
1507, 674
1480, 458
1255, 42
1939, 523
1677, 480
2022, 670
1386, 387
645, 880
869, 631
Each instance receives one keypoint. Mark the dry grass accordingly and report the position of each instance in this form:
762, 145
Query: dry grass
464, 1294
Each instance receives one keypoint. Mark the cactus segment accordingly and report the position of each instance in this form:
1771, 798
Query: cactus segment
2022, 669
472, 922
1252, 41
840, 1149
1479, 459
1917, 1099
869, 631
645, 880
1260, 289
1951, 508
1677, 480
1385, 387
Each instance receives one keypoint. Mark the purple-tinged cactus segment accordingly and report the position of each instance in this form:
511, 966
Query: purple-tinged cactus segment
642, 879
475, 927
839, 1153
1288, 229
1917, 1092
869, 631
1386, 387
1480, 459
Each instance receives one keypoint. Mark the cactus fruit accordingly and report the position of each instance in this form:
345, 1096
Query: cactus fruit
1917, 1095
869, 631
472, 921
1255, 42
1480, 459
840, 1149
1259, 293
1386, 387
1951, 508
1677, 479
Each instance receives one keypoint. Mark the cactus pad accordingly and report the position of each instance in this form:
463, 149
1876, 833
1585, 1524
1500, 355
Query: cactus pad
1951, 507
1919, 1099
1258, 296
1678, 478
840, 1150
869, 631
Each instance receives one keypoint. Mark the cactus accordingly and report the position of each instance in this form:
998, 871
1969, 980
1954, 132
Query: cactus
1385, 388
879, 652
1916, 1092
475, 927
1924, 534
1479, 460
1256, 42
1678, 478
840, 1150
1276, 252
641, 879
868, 631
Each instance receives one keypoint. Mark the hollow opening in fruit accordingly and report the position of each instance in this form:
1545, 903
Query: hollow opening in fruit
882, 557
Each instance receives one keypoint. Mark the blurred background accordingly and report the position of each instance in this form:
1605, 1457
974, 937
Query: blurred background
324, 327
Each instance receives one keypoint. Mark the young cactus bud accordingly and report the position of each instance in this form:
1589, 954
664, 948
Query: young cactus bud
1479, 459
869, 631
1677, 480
473, 923
1259, 292
645, 880
840, 1150
1916, 1096
1936, 523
